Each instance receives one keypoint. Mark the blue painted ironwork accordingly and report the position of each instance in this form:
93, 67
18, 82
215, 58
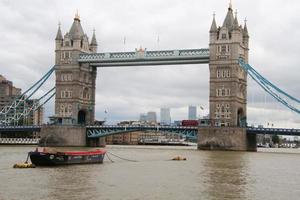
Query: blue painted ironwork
144, 57
270, 88
6, 116
274, 131
188, 132
14, 129
102, 131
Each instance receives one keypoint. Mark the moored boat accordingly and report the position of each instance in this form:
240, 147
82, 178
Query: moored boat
48, 158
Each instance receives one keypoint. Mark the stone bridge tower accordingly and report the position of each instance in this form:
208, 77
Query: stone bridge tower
228, 87
228, 81
75, 83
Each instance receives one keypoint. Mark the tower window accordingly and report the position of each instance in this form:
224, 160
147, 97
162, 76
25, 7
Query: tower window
222, 109
66, 55
66, 77
223, 49
223, 74
66, 94
228, 73
67, 43
224, 36
227, 91
223, 92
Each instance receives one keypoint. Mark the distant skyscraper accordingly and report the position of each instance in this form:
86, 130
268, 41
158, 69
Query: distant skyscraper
143, 117
192, 112
165, 117
151, 117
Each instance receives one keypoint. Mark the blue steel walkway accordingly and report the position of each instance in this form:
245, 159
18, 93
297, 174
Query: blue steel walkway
189, 132
143, 57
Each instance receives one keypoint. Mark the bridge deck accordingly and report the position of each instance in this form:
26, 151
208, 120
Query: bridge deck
101, 131
190, 131
144, 57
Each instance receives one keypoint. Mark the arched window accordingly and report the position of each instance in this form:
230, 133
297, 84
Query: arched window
222, 109
85, 93
228, 73
218, 73
67, 43
223, 92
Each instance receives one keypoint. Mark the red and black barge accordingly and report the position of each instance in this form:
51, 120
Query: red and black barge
45, 158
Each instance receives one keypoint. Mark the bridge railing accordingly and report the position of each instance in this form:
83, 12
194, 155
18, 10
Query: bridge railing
30, 141
149, 55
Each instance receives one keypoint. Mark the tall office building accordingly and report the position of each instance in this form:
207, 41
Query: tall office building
151, 117
192, 113
143, 117
165, 116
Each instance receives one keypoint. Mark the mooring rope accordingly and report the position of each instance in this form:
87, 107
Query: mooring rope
109, 157
27, 158
122, 158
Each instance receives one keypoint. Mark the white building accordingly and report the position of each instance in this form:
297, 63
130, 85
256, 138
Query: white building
151, 117
143, 117
165, 116
192, 113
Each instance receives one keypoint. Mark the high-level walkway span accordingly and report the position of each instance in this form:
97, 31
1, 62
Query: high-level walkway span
143, 57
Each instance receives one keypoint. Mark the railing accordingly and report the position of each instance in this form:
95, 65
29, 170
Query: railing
20, 128
102, 131
276, 131
95, 131
29, 141
166, 55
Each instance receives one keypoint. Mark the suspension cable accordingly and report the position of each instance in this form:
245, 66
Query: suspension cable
22, 98
265, 84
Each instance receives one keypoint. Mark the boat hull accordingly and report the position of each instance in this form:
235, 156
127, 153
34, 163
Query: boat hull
52, 159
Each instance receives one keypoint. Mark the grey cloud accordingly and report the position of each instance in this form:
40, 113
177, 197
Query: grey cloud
27, 41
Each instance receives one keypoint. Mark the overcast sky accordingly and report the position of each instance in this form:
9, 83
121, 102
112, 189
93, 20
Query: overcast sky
28, 29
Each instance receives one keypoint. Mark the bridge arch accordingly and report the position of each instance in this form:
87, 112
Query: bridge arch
82, 115
241, 117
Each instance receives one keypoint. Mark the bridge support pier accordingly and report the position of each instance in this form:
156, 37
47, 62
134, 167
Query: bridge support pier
67, 136
96, 142
226, 138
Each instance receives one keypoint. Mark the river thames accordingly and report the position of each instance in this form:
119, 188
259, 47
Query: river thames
267, 174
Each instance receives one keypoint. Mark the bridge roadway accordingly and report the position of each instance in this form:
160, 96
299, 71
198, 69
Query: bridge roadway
20, 128
143, 57
189, 132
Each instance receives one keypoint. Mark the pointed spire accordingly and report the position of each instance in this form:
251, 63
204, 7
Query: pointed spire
230, 5
229, 19
59, 34
213, 27
235, 23
77, 17
76, 31
245, 34
94, 41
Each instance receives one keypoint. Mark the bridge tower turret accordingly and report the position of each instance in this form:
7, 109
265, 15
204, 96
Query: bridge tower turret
228, 82
228, 88
75, 82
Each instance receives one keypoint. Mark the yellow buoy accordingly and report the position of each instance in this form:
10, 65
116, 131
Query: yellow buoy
179, 158
24, 165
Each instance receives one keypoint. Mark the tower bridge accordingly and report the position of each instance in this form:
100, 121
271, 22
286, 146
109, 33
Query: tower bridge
143, 57
77, 61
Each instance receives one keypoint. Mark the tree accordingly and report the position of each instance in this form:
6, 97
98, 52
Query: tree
275, 139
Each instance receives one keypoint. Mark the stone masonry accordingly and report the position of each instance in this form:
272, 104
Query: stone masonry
75, 83
228, 87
